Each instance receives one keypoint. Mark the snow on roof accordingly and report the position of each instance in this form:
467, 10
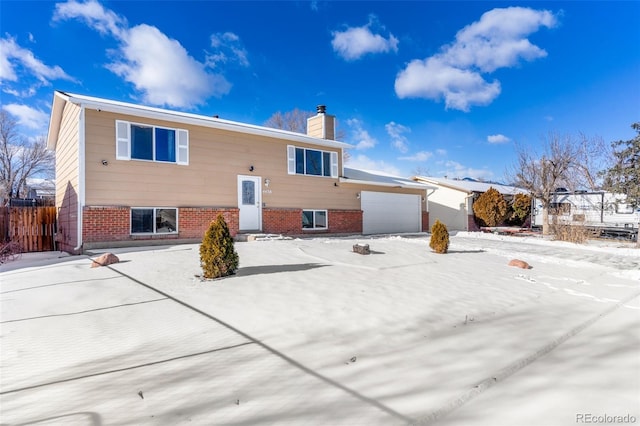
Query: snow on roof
470, 185
372, 177
60, 98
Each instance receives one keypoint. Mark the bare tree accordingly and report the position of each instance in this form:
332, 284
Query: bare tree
540, 174
20, 158
294, 121
595, 156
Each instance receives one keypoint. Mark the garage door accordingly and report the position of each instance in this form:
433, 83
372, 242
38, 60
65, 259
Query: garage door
384, 212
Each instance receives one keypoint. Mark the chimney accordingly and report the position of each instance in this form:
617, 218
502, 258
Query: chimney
322, 125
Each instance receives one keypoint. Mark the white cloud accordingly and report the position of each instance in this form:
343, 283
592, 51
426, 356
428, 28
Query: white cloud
159, 67
229, 48
360, 137
27, 116
434, 79
163, 71
441, 151
418, 156
398, 140
363, 162
497, 139
16, 61
453, 169
355, 42
105, 21
497, 40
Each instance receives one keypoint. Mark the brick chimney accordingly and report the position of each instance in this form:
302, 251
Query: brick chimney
322, 125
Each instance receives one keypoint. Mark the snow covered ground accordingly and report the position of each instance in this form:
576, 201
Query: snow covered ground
310, 333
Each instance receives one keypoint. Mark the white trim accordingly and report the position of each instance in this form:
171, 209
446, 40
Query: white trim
154, 208
315, 228
81, 174
193, 119
291, 159
390, 185
334, 164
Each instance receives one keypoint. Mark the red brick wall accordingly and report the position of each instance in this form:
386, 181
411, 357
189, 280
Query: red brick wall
289, 221
282, 221
105, 223
349, 221
471, 223
425, 222
113, 223
193, 222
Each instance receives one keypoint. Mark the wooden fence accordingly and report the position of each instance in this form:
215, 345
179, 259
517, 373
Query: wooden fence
33, 228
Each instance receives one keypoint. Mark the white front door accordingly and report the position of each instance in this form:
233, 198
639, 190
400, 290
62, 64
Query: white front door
250, 202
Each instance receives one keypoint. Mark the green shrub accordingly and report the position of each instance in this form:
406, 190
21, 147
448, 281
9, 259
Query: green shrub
218, 257
439, 237
490, 207
520, 208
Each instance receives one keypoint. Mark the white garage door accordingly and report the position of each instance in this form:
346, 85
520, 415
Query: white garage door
384, 212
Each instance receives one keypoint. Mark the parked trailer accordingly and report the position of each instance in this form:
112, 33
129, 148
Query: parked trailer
604, 213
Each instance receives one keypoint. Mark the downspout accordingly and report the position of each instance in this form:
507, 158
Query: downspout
602, 207
81, 172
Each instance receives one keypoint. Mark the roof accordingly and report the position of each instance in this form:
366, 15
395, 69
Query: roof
99, 104
469, 186
371, 177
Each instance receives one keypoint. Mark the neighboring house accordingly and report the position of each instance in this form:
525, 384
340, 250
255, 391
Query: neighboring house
128, 174
41, 189
452, 202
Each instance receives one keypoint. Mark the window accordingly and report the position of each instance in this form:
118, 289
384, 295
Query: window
314, 219
313, 162
150, 220
559, 208
144, 142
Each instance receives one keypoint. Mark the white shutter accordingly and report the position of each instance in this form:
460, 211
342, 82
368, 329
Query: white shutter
182, 141
334, 164
291, 159
123, 140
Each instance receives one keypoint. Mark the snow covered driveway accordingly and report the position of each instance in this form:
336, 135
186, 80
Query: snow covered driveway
308, 332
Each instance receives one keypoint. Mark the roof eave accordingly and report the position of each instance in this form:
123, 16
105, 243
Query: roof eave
389, 185
198, 120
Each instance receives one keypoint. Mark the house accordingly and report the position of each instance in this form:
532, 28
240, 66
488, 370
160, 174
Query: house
41, 189
128, 174
452, 202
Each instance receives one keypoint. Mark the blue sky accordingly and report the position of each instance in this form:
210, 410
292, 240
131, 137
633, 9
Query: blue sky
444, 88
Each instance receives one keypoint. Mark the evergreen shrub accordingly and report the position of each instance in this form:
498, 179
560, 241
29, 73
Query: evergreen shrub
218, 257
439, 237
490, 207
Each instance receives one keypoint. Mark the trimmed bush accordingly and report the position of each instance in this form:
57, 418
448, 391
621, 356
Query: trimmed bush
490, 207
218, 257
439, 238
520, 208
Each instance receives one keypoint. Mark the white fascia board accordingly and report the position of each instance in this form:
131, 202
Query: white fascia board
389, 185
200, 120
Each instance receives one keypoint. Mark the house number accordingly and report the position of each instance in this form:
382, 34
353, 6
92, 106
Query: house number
266, 191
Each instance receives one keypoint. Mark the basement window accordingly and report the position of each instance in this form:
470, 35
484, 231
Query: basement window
314, 219
154, 220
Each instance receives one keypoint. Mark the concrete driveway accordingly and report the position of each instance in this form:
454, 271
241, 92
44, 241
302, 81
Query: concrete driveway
130, 345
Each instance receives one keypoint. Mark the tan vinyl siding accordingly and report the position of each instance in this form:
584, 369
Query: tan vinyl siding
321, 126
67, 174
216, 158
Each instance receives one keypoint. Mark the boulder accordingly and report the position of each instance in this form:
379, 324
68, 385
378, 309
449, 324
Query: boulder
104, 260
361, 248
519, 264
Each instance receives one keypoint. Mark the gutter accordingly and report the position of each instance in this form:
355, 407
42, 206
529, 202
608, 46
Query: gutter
81, 173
